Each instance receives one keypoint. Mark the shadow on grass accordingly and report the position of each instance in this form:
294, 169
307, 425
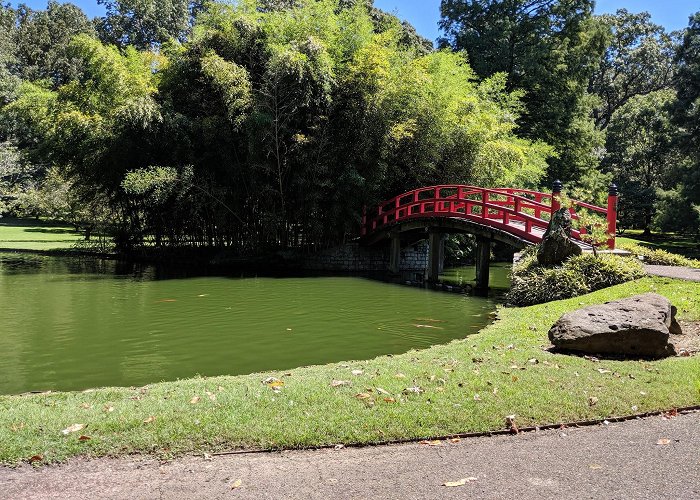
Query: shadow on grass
57, 230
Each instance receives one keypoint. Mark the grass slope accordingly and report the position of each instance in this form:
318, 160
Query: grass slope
468, 385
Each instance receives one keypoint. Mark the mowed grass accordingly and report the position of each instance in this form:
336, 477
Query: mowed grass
687, 246
28, 234
467, 385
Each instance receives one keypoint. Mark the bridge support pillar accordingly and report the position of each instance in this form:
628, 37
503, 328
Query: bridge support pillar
483, 259
436, 254
395, 253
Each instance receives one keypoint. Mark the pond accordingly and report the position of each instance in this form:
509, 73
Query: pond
72, 324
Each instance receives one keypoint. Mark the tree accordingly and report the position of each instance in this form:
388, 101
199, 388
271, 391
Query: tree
42, 39
637, 61
687, 116
642, 155
549, 49
145, 24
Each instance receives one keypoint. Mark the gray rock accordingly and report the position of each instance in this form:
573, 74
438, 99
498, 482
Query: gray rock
640, 326
557, 245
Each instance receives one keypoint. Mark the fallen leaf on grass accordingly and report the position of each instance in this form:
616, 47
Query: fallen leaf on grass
363, 395
195, 400
592, 401
236, 484
211, 396
389, 400
150, 420
339, 383
85, 406
84, 438
36, 458
603, 370
382, 391
73, 428
357, 372
461, 482
400, 375
663, 442
415, 390
17, 427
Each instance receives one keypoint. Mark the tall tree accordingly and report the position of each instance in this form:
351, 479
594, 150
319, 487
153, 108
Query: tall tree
42, 39
687, 116
642, 155
146, 23
638, 61
549, 49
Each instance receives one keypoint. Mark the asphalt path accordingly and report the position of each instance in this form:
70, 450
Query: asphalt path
684, 273
653, 458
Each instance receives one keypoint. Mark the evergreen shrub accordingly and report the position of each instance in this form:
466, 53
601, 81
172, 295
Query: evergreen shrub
534, 284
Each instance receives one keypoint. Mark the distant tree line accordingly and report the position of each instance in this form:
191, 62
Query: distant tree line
269, 124
615, 95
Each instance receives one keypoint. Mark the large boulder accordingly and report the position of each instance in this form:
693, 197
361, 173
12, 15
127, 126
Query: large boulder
640, 326
557, 245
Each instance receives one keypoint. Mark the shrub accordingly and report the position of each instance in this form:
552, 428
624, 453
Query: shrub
534, 284
659, 257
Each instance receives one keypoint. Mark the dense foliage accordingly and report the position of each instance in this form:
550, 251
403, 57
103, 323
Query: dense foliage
269, 126
534, 284
263, 124
613, 94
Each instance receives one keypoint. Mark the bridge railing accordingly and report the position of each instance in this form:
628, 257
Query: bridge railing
524, 213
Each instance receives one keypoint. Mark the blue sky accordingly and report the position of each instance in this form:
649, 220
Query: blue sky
425, 14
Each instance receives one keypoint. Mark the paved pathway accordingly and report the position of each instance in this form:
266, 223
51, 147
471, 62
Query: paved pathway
617, 461
684, 273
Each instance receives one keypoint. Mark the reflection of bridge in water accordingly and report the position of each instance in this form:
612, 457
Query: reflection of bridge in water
517, 217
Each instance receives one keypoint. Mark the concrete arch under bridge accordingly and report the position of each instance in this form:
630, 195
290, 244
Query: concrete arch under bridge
516, 217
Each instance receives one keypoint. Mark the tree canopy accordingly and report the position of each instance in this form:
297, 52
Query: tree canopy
262, 124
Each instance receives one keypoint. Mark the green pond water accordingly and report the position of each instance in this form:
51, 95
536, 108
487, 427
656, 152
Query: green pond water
72, 324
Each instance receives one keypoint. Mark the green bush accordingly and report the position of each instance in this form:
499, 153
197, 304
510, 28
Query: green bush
659, 257
534, 284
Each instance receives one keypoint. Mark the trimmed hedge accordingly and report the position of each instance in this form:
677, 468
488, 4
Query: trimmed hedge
534, 284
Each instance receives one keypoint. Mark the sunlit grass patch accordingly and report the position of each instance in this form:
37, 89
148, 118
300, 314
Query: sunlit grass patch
26, 234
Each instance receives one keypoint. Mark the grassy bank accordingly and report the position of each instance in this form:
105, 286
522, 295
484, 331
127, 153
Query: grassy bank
28, 234
687, 246
468, 385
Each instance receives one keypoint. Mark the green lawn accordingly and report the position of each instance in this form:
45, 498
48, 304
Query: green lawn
29, 234
468, 385
687, 246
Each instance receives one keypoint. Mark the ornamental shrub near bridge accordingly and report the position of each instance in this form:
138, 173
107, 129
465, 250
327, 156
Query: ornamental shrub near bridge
534, 284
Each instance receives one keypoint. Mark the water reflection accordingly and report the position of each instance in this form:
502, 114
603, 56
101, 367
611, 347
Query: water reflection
74, 323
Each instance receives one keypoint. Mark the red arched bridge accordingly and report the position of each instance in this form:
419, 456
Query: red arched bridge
518, 217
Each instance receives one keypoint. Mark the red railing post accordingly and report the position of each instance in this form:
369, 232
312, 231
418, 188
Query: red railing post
613, 194
556, 193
